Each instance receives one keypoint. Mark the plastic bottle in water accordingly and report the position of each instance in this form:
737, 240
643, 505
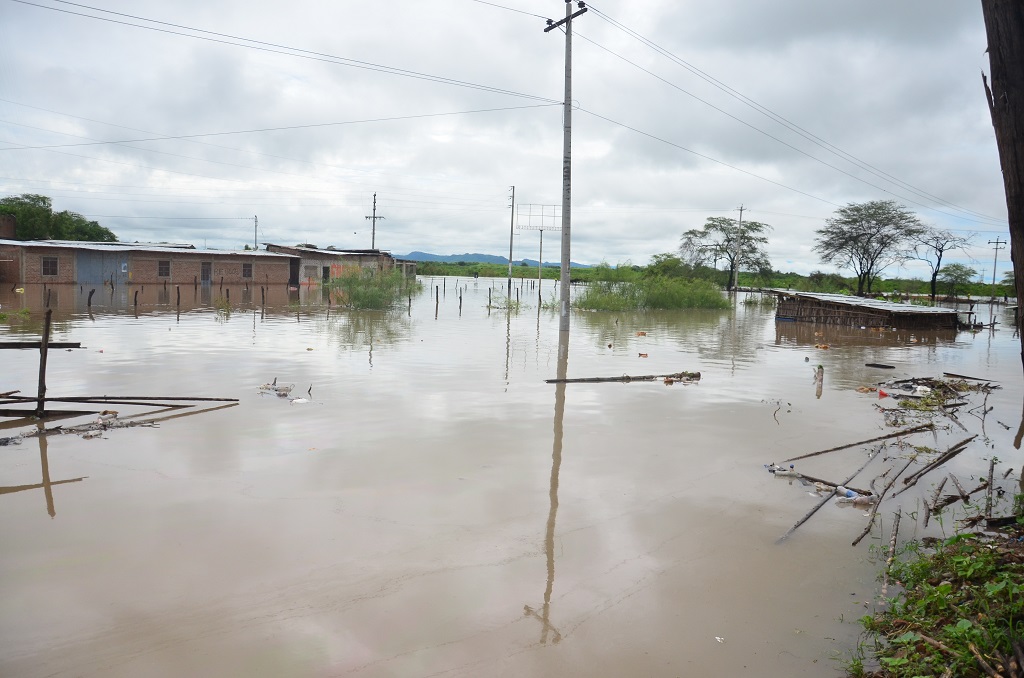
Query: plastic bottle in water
843, 492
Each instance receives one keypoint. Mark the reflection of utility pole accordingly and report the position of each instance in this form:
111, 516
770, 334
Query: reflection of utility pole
373, 219
563, 324
543, 615
998, 246
511, 233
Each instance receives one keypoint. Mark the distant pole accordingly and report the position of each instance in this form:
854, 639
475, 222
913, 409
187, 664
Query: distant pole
373, 219
540, 264
998, 246
511, 233
255, 224
563, 324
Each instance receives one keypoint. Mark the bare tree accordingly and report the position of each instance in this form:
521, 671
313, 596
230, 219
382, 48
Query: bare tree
740, 245
867, 238
932, 244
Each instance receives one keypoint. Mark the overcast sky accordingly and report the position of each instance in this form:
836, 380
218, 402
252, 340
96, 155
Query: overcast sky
684, 110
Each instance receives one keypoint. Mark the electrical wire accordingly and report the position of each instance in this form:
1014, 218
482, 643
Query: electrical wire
226, 39
818, 141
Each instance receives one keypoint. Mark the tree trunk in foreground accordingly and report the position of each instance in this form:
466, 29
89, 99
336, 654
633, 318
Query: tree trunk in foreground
1004, 26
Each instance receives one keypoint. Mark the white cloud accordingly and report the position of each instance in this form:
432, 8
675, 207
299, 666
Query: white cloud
896, 86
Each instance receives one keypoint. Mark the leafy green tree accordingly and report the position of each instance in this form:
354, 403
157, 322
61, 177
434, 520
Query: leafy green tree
956, 277
36, 220
867, 238
739, 244
932, 244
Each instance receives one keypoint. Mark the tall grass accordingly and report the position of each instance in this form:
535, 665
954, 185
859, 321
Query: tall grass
650, 293
371, 290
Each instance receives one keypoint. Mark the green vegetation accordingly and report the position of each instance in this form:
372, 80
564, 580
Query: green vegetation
371, 290
671, 266
962, 604
622, 288
35, 220
20, 314
740, 244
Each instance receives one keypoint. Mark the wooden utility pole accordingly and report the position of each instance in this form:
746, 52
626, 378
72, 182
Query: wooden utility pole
1004, 26
995, 260
563, 312
373, 219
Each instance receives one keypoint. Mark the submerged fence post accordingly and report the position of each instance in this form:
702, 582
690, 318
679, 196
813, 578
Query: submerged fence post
177, 290
88, 302
43, 348
48, 293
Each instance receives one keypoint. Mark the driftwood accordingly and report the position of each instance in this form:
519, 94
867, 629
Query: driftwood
954, 498
906, 431
824, 500
933, 506
988, 500
110, 399
959, 487
881, 496
892, 551
625, 378
912, 479
963, 376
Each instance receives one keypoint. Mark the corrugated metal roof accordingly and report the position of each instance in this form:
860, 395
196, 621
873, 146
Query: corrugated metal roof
846, 300
129, 247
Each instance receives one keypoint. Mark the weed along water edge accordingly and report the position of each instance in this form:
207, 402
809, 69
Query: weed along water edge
436, 507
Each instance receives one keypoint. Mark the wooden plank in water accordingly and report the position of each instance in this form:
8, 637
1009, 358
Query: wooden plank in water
37, 344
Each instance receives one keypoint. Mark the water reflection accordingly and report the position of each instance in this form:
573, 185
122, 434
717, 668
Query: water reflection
543, 615
46, 485
364, 329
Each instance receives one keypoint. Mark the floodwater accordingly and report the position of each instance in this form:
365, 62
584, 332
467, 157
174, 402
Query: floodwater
437, 508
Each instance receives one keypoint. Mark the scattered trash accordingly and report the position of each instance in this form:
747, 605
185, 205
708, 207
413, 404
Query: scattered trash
882, 394
300, 401
823, 347
88, 435
845, 493
280, 391
641, 334
866, 389
642, 355
720, 639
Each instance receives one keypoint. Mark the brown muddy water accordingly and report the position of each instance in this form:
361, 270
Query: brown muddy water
437, 508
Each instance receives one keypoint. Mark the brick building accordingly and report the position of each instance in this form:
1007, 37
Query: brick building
313, 265
55, 262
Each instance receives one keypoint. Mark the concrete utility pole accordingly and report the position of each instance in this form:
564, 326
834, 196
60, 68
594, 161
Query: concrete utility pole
735, 277
373, 219
255, 225
998, 246
511, 233
563, 324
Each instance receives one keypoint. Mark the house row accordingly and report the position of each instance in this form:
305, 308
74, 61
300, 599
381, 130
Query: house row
82, 263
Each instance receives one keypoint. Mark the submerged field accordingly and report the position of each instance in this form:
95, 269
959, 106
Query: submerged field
436, 507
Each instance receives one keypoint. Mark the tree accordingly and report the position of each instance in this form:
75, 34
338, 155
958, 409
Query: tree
1004, 28
739, 244
35, 220
867, 238
932, 244
956, 276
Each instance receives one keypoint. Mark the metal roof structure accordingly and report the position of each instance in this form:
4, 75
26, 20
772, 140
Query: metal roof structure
864, 302
139, 247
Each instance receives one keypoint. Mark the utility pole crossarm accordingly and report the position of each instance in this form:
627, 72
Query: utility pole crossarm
552, 25
373, 219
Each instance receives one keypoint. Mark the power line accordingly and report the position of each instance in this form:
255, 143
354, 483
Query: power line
784, 122
260, 129
275, 48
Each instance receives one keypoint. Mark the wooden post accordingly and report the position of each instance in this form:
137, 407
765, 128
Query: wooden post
48, 293
228, 293
263, 296
437, 302
43, 347
460, 304
177, 291
88, 302
489, 299
135, 300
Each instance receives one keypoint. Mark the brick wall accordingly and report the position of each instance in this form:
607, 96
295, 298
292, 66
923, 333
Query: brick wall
187, 269
33, 260
10, 264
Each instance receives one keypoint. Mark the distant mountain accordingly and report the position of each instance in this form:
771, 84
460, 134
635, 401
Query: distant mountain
477, 258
